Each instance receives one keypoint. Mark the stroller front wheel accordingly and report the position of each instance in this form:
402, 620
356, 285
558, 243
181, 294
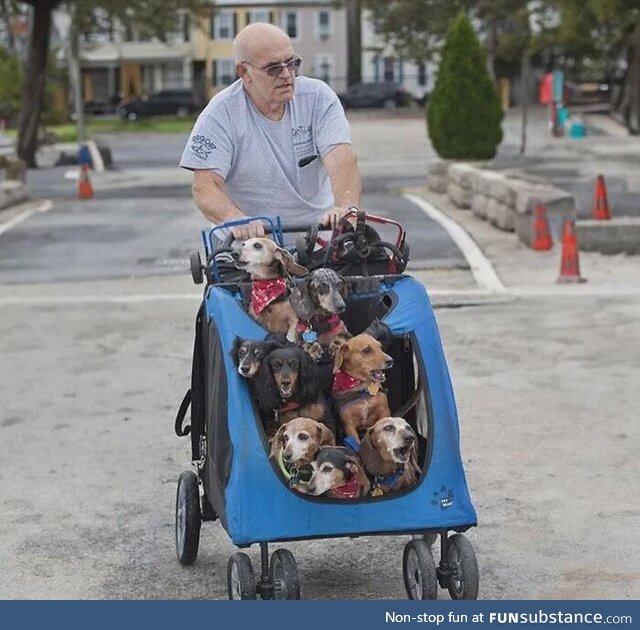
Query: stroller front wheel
241, 581
188, 518
419, 571
284, 575
464, 577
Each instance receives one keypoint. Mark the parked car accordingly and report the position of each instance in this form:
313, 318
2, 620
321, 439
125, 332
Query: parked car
163, 103
389, 95
99, 107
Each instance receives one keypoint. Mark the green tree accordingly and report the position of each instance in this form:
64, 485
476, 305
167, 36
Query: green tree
10, 84
154, 17
464, 113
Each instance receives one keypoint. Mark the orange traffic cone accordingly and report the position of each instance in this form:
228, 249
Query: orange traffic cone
570, 266
600, 203
541, 236
85, 189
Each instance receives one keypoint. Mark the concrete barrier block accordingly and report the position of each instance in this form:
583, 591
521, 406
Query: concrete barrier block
616, 236
437, 183
462, 174
500, 215
12, 192
479, 205
438, 167
554, 199
462, 197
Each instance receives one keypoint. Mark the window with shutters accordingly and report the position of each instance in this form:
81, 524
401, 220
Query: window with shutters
258, 15
225, 72
324, 25
223, 25
290, 24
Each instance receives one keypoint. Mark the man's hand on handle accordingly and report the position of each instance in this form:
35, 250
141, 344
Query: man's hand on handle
249, 230
332, 217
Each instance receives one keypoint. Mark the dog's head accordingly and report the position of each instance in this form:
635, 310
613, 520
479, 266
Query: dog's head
321, 293
248, 355
393, 440
299, 440
261, 258
362, 357
333, 467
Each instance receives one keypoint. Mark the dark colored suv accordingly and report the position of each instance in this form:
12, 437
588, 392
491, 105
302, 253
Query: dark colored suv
389, 95
163, 103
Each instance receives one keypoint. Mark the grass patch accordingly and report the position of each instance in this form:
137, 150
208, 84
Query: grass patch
159, 124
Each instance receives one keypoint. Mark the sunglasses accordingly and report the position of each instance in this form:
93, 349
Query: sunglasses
275, 69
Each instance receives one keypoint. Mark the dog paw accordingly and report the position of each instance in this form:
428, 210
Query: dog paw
314, 350
335, 345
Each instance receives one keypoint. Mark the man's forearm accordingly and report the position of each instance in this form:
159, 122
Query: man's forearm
214, 203
345, 178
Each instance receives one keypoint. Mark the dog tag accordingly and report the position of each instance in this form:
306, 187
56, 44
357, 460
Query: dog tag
373, 388
377, 492
310, 336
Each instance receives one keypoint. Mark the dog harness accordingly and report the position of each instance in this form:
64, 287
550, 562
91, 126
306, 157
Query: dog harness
350, 490
265, 292
294, 475
386, 480
319, 326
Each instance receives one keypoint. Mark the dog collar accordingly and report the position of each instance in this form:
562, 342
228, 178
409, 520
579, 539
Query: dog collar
264, 292
289, 406
332, 325
294, 475
343, 382
350, 490
385, 480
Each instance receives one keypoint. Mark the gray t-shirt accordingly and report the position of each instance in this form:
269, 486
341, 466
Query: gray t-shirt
271, 168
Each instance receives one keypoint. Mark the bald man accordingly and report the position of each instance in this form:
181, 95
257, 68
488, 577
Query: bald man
272, 143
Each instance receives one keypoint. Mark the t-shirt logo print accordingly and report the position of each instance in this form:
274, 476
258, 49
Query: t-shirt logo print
202, 146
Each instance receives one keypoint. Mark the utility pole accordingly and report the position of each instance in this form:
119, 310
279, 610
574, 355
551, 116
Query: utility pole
525, 68
73, 60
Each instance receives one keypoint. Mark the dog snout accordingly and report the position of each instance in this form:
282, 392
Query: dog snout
388, 363
409, 438
287, 454
245, 369
338, 304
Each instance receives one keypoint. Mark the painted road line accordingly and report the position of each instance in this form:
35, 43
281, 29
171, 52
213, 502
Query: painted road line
61, 300
23, 216
483, 272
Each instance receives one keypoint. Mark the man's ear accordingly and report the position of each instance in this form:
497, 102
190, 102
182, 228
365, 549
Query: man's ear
242, 71
289, 262
341, 353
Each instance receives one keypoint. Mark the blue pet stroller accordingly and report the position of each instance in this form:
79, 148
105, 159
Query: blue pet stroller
236, 482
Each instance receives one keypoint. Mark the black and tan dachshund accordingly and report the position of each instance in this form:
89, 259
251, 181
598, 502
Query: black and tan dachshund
286, 386
248, 354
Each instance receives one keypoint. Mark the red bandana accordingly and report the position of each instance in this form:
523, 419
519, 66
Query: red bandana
343, 381
351, 490
264, 292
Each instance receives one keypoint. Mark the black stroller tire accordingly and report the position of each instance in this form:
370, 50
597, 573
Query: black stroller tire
419, 571
465, 579
430, 539
188, 518
284, 575
195, 263
241, 581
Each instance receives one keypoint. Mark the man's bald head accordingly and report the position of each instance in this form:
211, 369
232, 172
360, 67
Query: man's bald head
255, 38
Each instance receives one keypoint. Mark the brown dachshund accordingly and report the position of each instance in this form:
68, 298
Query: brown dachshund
267, 265
295, 445
338, 474
389, 455
358, 374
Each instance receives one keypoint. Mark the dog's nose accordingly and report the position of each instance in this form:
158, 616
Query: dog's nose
409, 439
388, 363
286, 455
286, 383
245, 370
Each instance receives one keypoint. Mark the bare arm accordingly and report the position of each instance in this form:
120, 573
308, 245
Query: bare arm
214, 203
342, 165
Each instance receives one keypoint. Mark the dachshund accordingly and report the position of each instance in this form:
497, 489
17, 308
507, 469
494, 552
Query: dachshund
318, 301
267, 265
248, 354
287, 384
358, 374
389, 454
337, 473
295, 446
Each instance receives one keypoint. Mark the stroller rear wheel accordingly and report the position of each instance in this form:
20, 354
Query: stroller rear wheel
419, 571
464, 577
284, 575
188, 518
241, 581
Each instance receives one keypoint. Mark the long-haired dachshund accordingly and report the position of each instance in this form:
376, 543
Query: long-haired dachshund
295, 446
287, 384
358, 375
248, 354
389, 454
337, 474
267, 265
318, 301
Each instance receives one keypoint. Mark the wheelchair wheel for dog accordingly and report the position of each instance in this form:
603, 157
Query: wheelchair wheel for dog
284, 575
419, 571
188, 518
241, 581
464, 576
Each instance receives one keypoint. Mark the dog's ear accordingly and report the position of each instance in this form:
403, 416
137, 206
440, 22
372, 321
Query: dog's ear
308, 378
325, 436
301, 301
289, 262
341, 354
265, 388
234, 350
276, 441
